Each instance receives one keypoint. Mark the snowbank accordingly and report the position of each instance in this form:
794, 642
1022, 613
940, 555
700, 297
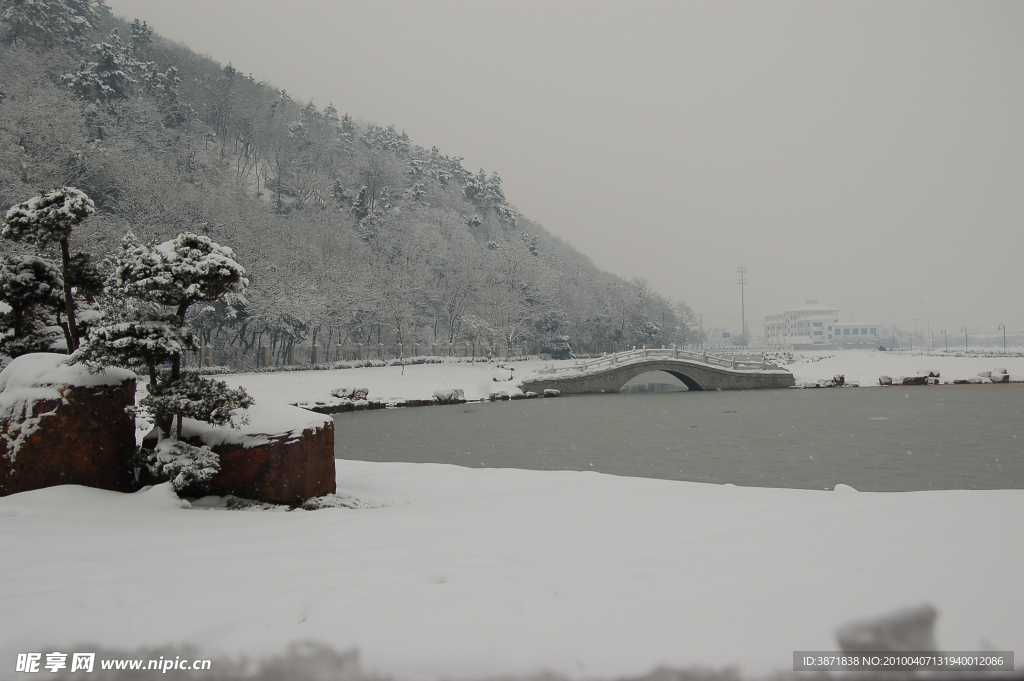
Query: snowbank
484, 573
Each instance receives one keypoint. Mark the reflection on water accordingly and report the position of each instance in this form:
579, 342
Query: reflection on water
875, 439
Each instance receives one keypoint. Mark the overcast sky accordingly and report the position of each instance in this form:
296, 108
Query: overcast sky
869, 155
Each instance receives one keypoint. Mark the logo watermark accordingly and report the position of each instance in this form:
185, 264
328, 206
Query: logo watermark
31, 663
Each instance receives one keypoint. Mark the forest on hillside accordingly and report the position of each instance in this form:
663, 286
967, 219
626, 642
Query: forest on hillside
349, 232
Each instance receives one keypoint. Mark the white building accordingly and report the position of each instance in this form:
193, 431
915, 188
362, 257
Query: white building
853, 332
815, 325
807, 325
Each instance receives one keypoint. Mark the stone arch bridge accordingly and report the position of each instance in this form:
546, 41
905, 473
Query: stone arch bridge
697, 370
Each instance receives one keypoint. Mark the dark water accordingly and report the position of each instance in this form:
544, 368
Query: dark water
875, 439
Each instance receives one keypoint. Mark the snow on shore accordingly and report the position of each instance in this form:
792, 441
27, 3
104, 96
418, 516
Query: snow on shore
419, 382
865, 366
462, 573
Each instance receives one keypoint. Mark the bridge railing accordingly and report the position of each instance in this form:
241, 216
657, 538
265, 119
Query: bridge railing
728, 362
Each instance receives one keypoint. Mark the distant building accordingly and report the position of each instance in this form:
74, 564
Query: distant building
812, 325
863, 331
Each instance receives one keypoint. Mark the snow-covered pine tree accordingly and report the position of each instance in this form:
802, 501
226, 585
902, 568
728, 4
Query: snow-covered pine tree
176, 274
27, 283
153, 286
47, 218
50, 23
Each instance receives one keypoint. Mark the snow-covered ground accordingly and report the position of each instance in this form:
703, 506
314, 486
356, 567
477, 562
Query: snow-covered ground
454, 573
865, 366
448, 572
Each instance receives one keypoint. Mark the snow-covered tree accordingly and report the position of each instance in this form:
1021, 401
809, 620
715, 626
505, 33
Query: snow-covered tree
192, 396
110, 76
26, 284
49, 218
49, 22
187, 269
156, 284
186, 466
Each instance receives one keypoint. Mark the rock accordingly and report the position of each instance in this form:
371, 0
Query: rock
931, 380
284, 456
933, 374
450, 396
999, 370
1000, 378
914, 380
351, 393
985, 374
907, 630
838, 380
884, 380
61, 425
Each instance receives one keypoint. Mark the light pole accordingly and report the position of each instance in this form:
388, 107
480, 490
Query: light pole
1003, 327
964, 329
742, 281
944, 340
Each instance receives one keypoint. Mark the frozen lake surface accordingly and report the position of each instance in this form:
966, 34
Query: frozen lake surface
881, 440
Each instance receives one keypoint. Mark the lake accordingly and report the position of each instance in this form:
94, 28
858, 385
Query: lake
874, 439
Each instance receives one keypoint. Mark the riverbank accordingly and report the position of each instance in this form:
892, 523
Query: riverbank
480, 379
457, 573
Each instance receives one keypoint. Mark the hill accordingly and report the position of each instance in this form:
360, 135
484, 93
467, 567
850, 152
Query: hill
349, 231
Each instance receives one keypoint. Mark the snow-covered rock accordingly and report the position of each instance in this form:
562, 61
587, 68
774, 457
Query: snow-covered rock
284, 455
61, 424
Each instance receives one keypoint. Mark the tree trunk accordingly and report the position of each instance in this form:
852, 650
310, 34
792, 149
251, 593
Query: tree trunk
69, 303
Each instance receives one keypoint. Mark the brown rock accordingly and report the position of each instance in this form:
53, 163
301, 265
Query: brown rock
55, 433
285, 470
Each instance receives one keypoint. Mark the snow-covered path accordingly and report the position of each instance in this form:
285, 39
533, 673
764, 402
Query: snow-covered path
477, 573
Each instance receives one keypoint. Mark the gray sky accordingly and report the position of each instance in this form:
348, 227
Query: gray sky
866, 154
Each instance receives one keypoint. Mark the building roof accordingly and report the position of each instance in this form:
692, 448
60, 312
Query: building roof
813, 307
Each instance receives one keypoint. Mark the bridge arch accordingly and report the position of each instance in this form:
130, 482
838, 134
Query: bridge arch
627, 374
696, 372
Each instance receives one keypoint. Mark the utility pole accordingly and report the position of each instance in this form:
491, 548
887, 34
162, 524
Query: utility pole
701, 332
742, 281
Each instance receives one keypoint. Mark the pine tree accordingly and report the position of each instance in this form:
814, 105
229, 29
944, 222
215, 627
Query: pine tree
57, 22
174, 274
27, 283
47, 218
